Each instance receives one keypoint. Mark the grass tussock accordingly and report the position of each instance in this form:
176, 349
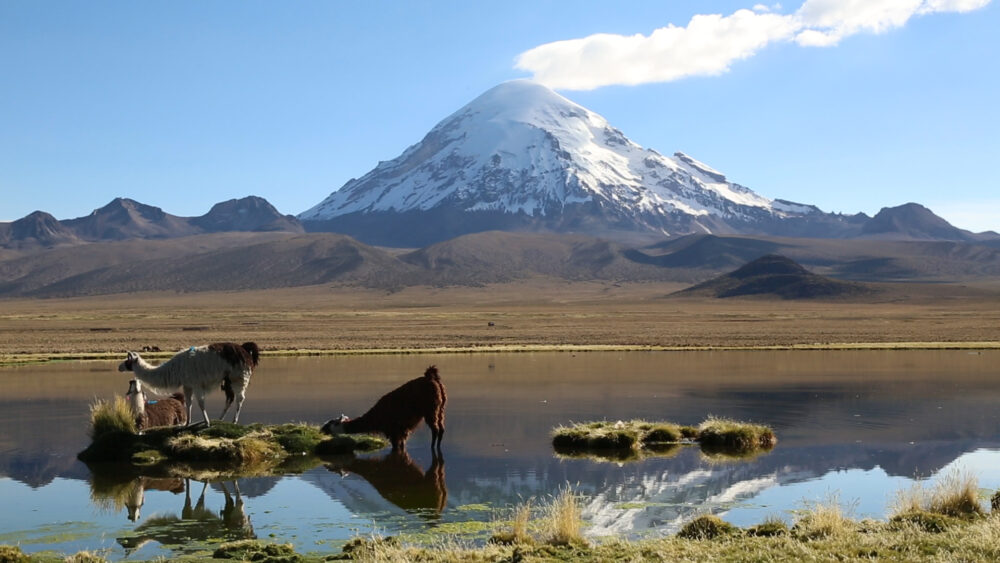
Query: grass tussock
600, 435
517, 531
85, 557
823, 520
12, 554
706, 527
724, 433
955, 495
558, 523
565, 521
769, 528
719, 436
110, 417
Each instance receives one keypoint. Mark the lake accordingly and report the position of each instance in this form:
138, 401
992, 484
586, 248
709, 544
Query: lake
853, 426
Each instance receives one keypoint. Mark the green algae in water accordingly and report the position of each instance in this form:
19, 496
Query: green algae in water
51, 534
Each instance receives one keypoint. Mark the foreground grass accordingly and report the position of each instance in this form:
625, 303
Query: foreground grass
820, 533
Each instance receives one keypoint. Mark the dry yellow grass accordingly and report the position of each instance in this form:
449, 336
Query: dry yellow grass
537, 315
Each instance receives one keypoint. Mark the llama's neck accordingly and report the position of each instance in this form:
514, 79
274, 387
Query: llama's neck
138, 403
164, 377
361, 425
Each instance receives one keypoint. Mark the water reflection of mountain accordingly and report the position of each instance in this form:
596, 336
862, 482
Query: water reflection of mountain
653, 495
39, 468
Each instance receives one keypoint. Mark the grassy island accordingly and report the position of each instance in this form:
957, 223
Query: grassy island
627, 438
116, 439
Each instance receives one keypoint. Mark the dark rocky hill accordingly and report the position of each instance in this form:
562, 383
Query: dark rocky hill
775, 275
914, 222
250, 213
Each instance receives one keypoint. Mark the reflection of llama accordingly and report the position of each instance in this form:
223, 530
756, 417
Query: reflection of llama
136, 495
400, 481
399, 412
231, 523
198, 370
162, 412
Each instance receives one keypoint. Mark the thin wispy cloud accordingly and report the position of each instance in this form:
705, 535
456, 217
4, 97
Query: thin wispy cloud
710, 43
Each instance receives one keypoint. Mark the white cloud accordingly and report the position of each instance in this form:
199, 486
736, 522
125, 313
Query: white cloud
709, 44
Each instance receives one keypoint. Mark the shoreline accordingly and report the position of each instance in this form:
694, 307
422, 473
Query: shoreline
20, 359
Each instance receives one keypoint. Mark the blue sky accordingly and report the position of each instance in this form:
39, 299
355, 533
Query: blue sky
851, 105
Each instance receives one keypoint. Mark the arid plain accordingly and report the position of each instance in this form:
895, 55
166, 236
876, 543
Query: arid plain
530, 314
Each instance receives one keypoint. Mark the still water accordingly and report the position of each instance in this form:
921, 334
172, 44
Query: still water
852, 426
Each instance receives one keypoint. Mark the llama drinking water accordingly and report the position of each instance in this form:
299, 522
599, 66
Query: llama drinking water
198, 370
399, 412
163, 412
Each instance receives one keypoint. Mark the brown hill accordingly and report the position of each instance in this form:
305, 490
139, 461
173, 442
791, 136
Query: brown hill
125, 218
497, 256
705, 251
284, 261
245, 260
250, 213
912, 221
775, 275
35, 229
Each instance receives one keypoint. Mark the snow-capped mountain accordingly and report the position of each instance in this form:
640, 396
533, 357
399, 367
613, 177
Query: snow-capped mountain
522, 156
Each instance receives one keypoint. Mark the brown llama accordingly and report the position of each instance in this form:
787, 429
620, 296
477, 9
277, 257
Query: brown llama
397, 414
162, 412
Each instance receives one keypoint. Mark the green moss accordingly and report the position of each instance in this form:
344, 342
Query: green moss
147, 457
926, 521
349, 443
222, 443
297, 438
768, 528
255, 550
707, 527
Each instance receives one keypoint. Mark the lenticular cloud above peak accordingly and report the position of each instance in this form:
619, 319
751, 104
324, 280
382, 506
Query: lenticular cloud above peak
710, 43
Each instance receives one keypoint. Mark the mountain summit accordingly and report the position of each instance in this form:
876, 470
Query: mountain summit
522, 157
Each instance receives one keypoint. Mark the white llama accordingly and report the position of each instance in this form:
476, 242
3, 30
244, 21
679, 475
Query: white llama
198, 370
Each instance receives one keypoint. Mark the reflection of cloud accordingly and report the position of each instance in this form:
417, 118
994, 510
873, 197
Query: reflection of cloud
711, 42
743, 489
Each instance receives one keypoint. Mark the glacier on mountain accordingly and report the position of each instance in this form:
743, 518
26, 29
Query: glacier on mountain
521, 148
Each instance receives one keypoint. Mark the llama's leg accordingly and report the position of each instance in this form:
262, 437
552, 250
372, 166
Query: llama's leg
227, 388
241, 393
188, 403
431, 421
201, 405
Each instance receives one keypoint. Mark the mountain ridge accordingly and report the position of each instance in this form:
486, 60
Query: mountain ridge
125, 219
